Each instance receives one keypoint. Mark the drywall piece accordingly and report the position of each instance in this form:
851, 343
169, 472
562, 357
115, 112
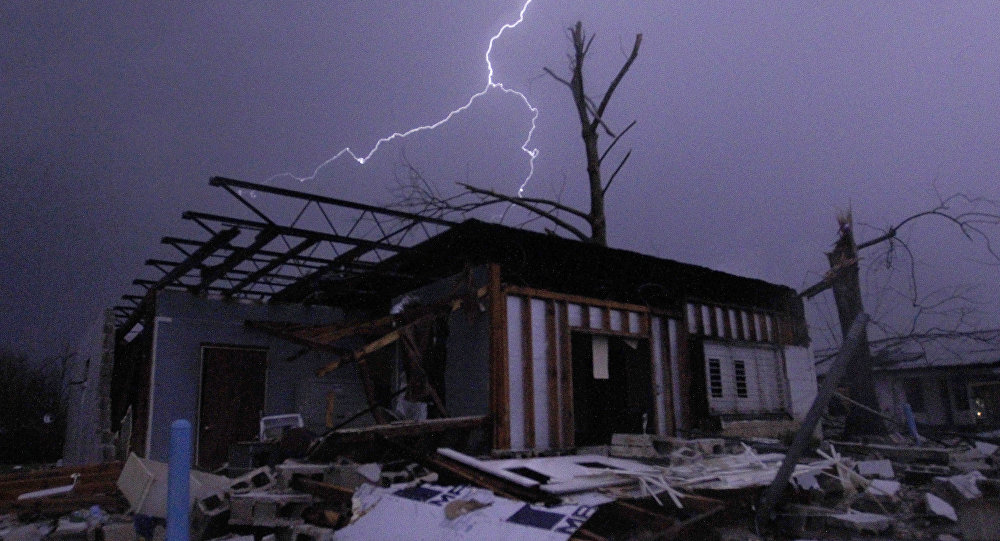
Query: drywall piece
964, 486
987, 449
372, 471
881, 469
940, 507
806, 481
883, 487
500, 519
861, 522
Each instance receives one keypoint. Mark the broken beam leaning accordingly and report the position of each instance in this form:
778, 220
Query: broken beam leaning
854, 340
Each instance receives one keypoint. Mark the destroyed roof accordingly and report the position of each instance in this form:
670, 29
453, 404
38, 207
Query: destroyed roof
935, 350
961, 349
547, 261
345, 253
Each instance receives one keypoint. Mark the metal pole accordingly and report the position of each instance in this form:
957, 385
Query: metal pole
179, 482
852, 344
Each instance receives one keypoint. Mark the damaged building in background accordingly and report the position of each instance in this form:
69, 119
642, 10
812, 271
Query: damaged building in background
368, 320
951, 380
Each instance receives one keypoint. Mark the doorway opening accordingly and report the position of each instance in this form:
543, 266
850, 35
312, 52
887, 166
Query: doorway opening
612, 387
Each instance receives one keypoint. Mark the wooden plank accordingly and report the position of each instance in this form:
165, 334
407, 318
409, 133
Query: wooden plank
552, 372
327, 491
608, 332
644, 324
576, 299
528, 374
566, 376
404, 429
751, 327
498, 360
727, 324
585, 316
61, 473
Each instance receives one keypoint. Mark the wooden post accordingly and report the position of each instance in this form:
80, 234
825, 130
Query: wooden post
499, 388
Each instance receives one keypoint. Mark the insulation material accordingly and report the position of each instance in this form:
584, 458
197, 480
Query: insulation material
419, 512
540, 375
616, 321
599, 344
515, 373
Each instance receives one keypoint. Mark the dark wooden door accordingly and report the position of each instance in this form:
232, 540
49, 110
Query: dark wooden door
232, 398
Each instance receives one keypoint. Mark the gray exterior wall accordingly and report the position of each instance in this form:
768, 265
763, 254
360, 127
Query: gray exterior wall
185, 322
467, 369
86, 391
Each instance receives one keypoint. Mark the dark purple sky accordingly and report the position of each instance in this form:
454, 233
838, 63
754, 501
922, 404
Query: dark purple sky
757, 123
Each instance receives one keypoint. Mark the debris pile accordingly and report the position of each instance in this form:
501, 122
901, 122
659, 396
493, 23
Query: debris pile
657, 487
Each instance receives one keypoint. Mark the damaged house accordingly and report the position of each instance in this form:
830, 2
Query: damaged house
399, 322
951, 380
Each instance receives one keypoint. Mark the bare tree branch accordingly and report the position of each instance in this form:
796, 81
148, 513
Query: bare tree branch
619, 168
615, 142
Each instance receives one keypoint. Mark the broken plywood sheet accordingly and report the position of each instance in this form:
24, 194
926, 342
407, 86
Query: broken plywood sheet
418, 512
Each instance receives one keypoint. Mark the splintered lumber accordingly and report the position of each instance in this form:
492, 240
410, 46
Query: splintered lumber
899, 453
401, 429
327, 491
501, 487
94, 486
420, 315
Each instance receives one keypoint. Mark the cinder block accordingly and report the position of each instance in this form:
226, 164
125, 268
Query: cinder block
268, 509
259, 479
209, 517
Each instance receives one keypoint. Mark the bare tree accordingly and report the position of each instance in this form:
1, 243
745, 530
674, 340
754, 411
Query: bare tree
424, 197
946, 308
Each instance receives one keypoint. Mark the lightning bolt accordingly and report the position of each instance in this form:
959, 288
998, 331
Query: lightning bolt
490, 85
